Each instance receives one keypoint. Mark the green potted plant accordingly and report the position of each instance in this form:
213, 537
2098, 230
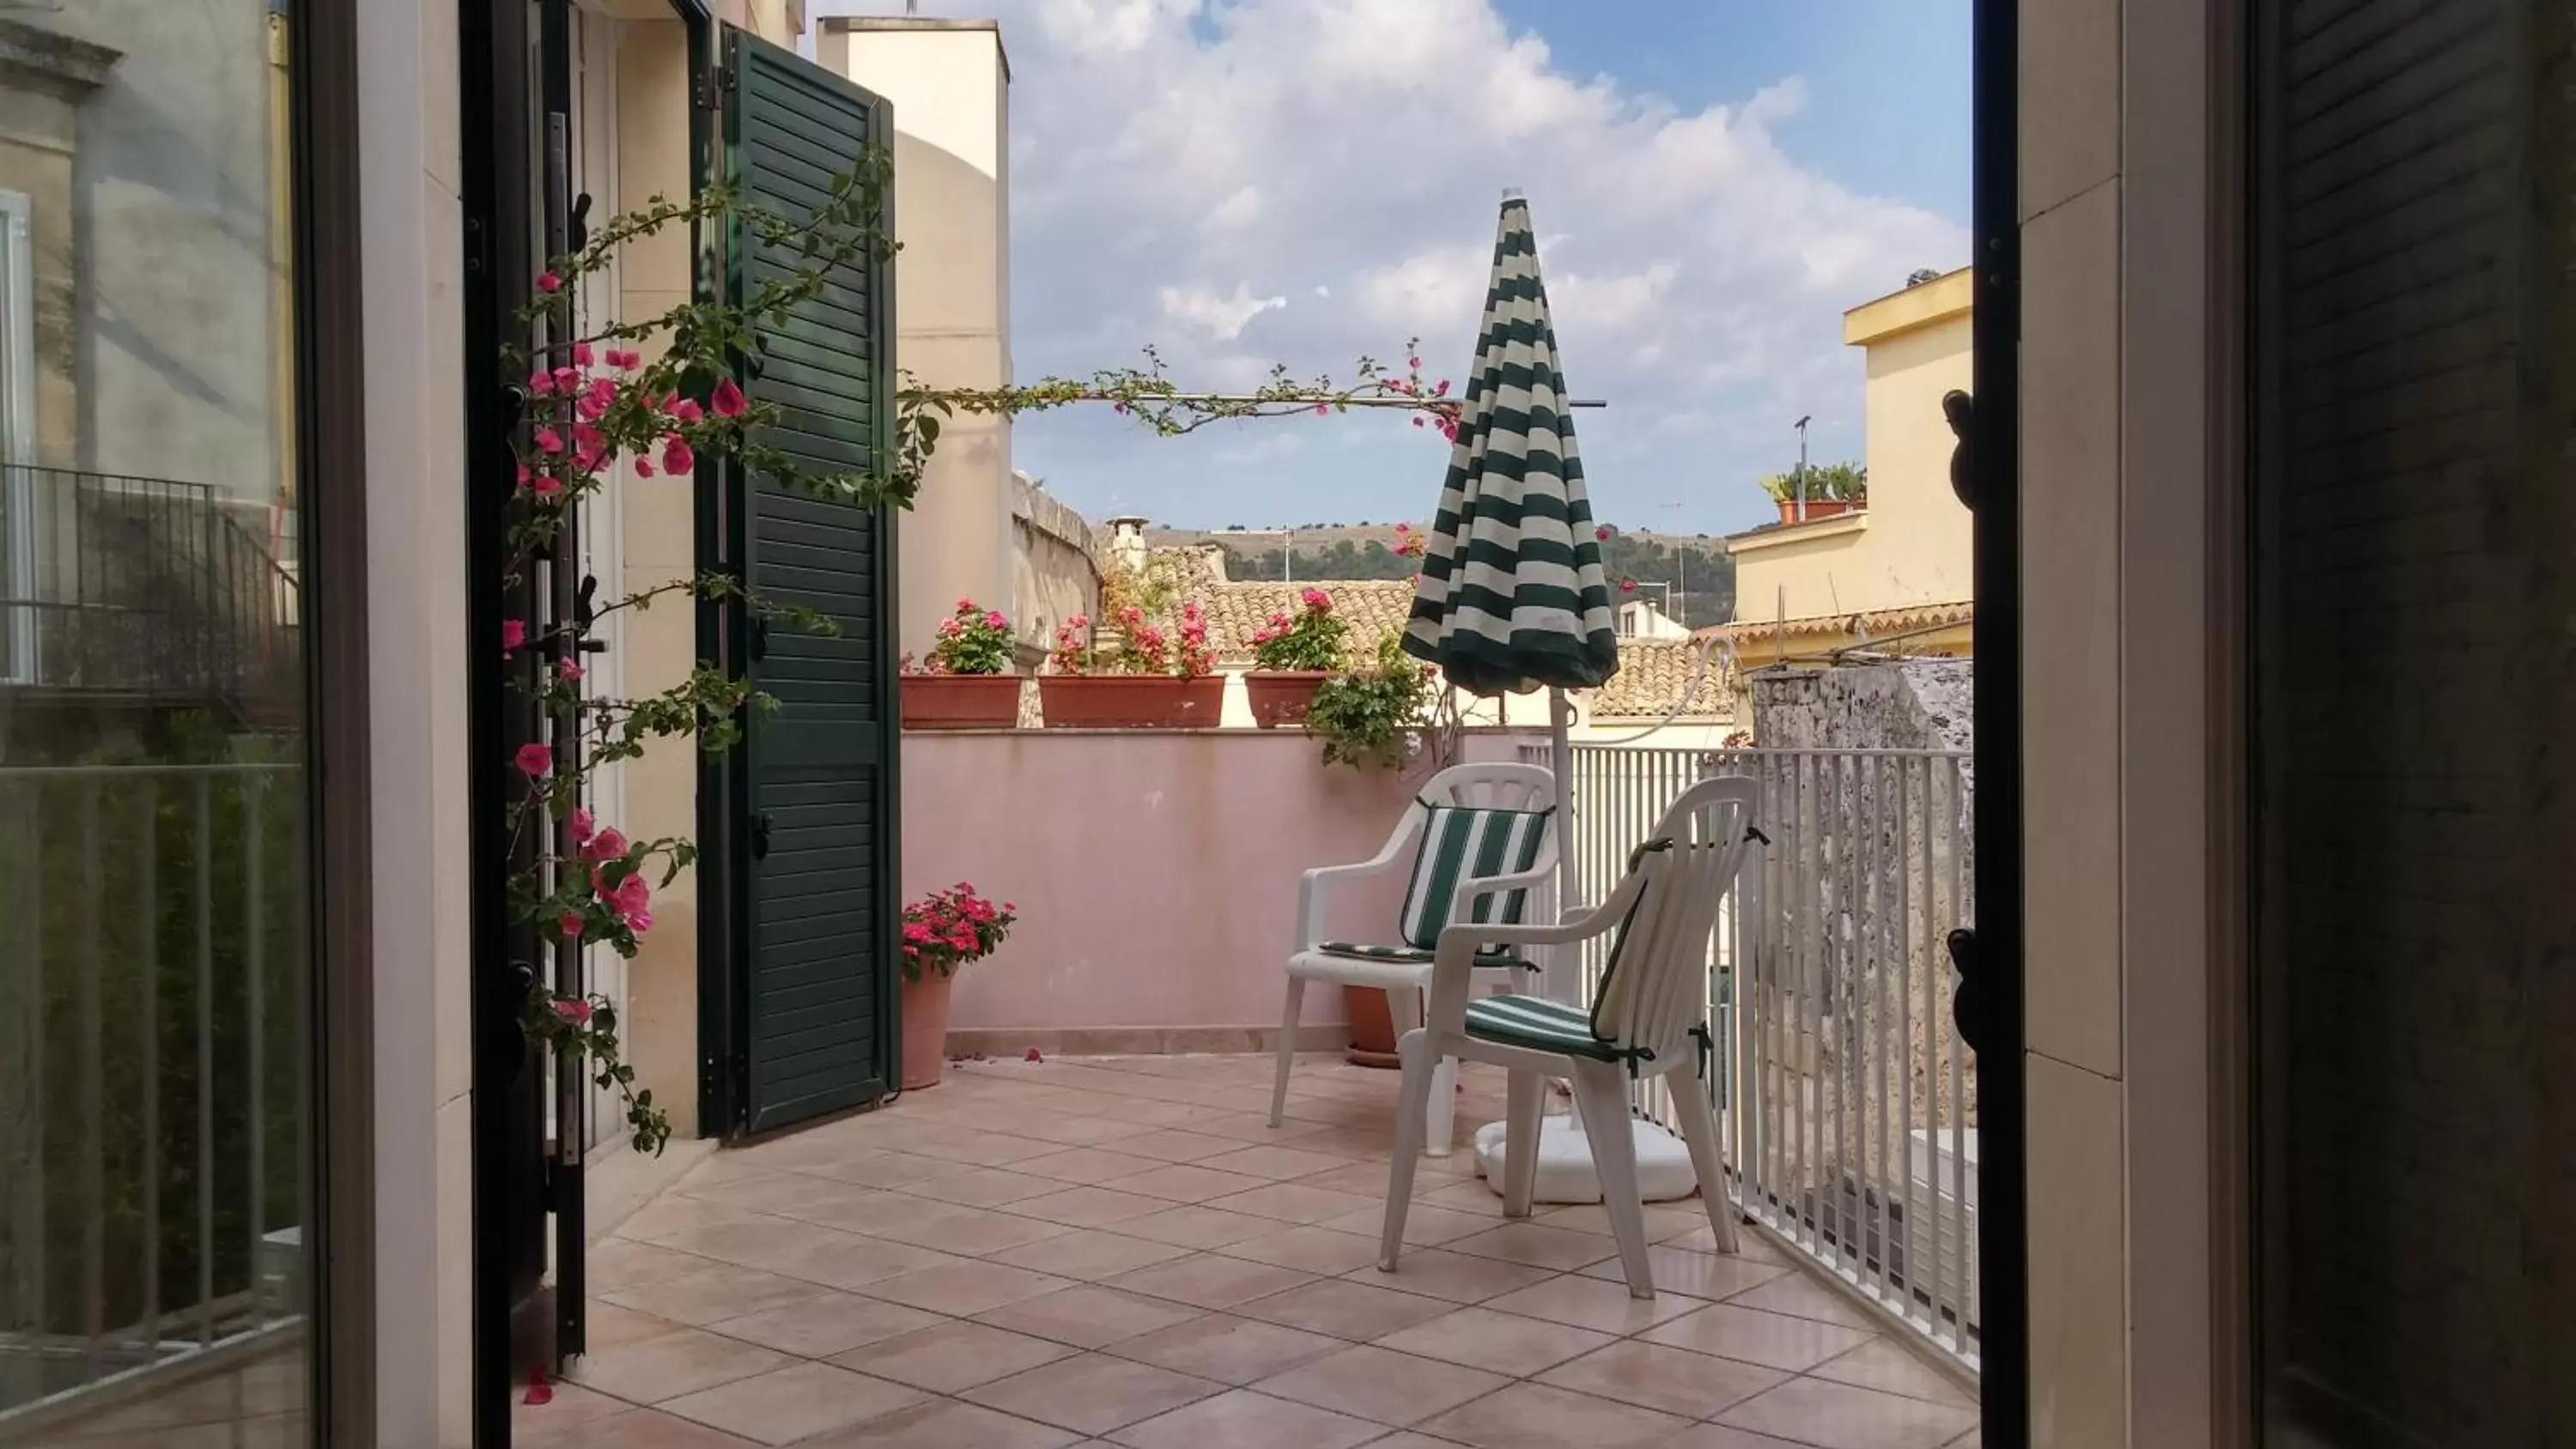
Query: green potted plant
1155, 679
1292, 656
941, 932
1368, 716
969, 684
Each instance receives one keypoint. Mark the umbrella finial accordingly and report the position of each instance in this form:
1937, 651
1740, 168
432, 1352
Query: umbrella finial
1513, 193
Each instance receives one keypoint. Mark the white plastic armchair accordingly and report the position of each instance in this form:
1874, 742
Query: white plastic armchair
1518, 802
1649, 1017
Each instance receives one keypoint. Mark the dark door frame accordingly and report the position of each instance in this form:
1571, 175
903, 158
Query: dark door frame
1991, 997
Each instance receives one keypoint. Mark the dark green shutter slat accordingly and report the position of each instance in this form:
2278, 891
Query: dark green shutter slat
819, 987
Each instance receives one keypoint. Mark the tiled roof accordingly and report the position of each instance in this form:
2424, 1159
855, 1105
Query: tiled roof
1875, 624
1237, 611
1653, 676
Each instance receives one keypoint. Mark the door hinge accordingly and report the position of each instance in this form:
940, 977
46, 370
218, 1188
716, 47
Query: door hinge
711, 89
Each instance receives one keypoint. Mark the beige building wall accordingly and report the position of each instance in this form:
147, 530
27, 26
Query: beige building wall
949, 84
2132, 1308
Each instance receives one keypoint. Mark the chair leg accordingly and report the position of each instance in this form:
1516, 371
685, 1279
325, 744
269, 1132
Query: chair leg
1440, 1126
1602, 1089
1412, 1099
1699, 1132
1287, 1048
1528, 1098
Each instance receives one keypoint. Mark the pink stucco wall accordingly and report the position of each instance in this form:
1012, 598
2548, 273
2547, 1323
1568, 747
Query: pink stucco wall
1155, 871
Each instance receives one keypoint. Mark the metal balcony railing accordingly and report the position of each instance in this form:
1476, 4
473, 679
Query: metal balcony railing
1848, 1099
115, 587
154, 1036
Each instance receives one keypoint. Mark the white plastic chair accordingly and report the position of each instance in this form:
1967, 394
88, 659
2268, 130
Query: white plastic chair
1495, 823
1649, 1017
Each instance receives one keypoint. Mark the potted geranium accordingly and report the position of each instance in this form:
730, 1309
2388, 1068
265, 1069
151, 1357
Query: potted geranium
968, 684
1291, 656
1155, 679
941, 932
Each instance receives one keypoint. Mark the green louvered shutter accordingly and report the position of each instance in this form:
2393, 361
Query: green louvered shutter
818, 874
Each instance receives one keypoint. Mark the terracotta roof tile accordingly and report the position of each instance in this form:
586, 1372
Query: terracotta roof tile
1653, 676
1237, 611
1875, 624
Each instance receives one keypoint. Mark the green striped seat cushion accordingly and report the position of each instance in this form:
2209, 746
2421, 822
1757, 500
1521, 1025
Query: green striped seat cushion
1415, 955
1535, 1021
1463, 843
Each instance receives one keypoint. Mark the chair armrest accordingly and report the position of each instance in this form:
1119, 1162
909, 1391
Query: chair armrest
1453, 964
1310, 885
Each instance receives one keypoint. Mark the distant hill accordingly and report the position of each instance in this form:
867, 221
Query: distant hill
1701, 574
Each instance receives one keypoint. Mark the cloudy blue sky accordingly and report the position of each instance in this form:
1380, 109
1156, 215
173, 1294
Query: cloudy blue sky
1246, 181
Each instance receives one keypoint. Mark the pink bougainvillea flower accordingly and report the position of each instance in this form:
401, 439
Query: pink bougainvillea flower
567, 380
1627, 586
916, 931
514, 632
993, 620
534, 761
1442, 389
643, 467
525, 475
639, 920
676, 457
584, 824
572, 1009
596, 398
1322, 409
687, 410
549, 441
571, 925
964, 606
547, 485
1318, 600
608, 844
548, 282
727, 399
541, 382
1417, 422
581, 354
1414, 362
632, 894
589, 448
1602, 533
571, 670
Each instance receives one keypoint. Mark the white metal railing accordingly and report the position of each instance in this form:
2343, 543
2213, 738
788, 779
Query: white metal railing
1848, 1099
153, 1042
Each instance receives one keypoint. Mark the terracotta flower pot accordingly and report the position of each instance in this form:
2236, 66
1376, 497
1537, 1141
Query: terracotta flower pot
961, 701
1827, 507
1130, 701
1372, 1027
1282, 696
925, 1029
1788, 509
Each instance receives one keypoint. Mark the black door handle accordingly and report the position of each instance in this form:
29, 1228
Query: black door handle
1968, 1000
1960, 409
759, 639
760, 837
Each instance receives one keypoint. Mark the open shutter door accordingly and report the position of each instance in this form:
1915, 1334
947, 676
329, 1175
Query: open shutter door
817, 871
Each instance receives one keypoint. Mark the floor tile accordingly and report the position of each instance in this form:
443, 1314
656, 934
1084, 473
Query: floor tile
1346, 1309
723, 1291
1719, 1436
1278, 1164
1088, 1317
1253, 1127
1208, 1280
966, 1232
1504, 1343
1454, 1276
1225, 1348
1886, 1365
881, 1168
953, 1357
1471, 1196
793, 1403
1093, 1394
1800, 1296
634, 1429
965, 1288
855, 1263
1177, 1144
946, 1424
1838, 1416
1425, 1226
783, 1193
605, 1325
625, 1262
1189, 1182
981, 1187
1540, 1247
672, 1212
821, 1327
1752, 1336
1081, 1131
1295, 1203
654, 1369
1603, 1305
1536, 1416
1197, 1227
749, 1239
1089, 1254
983, 1149
1664, 1221
1090, 1207
1674, 1380
567, 1407
1311, 1250
1088, 1166
1383, 1385
1242, 1419
1696, 1275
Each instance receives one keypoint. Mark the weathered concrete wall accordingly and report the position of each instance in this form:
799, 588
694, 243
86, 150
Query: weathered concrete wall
1055, 568
1899, 704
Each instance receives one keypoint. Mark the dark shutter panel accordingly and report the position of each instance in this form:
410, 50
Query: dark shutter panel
819, 869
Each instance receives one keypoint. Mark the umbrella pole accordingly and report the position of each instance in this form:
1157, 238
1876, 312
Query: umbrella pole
1568, 987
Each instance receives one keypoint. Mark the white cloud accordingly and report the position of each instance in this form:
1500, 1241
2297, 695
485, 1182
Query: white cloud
1222, 318
1355, 149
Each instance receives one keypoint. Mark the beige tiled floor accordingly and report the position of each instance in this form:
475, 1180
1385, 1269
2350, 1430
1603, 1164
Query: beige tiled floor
1121, 1251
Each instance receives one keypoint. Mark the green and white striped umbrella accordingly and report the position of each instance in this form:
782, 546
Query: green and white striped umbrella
1512, 596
